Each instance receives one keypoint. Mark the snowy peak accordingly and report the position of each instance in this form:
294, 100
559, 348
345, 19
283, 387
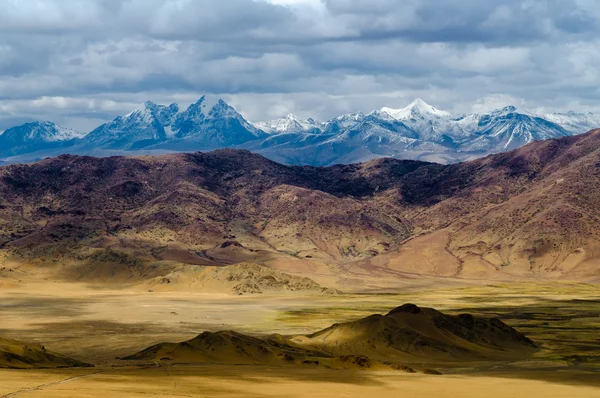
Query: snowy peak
150, 113
203, 107
36, 136
509, 110
506, 129
288, 124
209, 120
146, 124
416, 109
206, 124
575, 122
50, 132
41, 132
422, 107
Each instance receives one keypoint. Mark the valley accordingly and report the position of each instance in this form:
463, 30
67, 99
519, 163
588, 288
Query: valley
174, 275
98, 324
299, 199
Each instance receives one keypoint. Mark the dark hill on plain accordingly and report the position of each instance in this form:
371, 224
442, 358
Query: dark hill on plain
406, 335
422, 335
18, 355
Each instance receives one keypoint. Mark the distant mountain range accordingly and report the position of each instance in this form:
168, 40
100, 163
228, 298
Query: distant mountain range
418, 131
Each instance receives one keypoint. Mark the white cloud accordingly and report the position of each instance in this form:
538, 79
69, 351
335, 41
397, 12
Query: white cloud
90, 60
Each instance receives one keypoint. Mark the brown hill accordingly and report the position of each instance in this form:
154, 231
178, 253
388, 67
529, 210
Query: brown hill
243, 278
532, 212
407, 334
17, 355
529, 213
422, 335
230, 347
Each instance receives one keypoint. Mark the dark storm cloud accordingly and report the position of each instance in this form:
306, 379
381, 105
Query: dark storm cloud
79, 62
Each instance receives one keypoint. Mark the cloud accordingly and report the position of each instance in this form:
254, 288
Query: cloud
81, 62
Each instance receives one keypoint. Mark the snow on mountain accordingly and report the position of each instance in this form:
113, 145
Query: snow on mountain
212, 123
342, 123
346, 139
30, 137
430, 123
143, 126
417, 109
506, 129
576, 123
374, 129
42, 131
208, 123
288, 124
418, 131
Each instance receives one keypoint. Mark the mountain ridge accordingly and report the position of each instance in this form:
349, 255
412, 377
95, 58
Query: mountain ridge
418, 131
525, 214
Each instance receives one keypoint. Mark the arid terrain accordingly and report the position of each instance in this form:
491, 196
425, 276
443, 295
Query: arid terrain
225, 274
99, 325
529, 214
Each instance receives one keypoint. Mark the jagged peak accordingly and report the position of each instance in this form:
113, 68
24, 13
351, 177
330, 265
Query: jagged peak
149, 112
352, 116
208, 102
295, 118
288, 123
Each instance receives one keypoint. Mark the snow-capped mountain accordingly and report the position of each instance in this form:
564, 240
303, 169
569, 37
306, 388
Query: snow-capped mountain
430, 123
343, 122
206, 124
35, 136
289, 124
418, 131
506, 129
373, 136
142, 127
418, 109
374, 129
575, 122
212, 123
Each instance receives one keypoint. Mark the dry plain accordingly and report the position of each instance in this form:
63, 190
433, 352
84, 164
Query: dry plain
98, 324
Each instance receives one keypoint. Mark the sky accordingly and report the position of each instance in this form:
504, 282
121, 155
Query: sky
81, 63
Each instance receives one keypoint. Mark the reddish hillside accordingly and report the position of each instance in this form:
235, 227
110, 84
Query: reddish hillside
532, 212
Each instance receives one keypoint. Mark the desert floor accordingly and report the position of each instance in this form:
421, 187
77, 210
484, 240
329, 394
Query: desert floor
96, 325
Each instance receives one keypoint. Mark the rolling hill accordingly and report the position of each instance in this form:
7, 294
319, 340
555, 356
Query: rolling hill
406, 335
531, 213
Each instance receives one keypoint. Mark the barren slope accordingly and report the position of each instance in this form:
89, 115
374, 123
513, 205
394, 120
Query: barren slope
422, 335
529, 213
243, 278
407, 334
18, 355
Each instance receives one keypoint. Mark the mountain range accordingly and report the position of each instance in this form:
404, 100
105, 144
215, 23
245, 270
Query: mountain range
419, 132
530, 213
